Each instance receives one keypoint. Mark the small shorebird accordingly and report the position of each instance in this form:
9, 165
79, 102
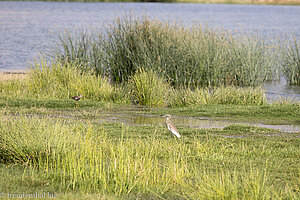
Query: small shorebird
171, 127
77, 98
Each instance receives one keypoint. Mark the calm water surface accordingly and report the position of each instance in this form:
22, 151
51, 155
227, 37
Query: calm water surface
26, 28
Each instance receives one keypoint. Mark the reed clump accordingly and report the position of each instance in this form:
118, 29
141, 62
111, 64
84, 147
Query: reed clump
239, 96
185, 57
81, 48
148, 89
218, 95
188, 97
291, 62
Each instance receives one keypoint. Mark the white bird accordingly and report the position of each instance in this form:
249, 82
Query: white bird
171, 127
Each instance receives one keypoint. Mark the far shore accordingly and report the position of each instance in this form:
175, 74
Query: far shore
266, 2
10, 75
254, 2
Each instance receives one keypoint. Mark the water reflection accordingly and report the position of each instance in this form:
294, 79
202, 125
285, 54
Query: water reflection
278, 90
198, 123
283, 128
189, 122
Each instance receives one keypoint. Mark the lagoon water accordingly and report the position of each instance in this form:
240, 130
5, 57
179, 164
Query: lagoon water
27, 28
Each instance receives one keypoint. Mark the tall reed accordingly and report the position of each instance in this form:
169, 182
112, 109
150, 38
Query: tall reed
185, 57
291, 62
82, 48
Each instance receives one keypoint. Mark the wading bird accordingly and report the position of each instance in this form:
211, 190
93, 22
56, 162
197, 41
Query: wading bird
77, 98
171, 127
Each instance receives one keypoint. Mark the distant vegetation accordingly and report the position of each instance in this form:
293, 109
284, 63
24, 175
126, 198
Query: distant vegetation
274, 2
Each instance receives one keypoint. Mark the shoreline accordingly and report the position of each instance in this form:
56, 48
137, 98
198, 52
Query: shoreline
239, 2
14, 72
245, 2
12, 75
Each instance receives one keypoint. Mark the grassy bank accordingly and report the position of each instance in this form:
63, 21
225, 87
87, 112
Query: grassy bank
62, 81
122, 161
84, 158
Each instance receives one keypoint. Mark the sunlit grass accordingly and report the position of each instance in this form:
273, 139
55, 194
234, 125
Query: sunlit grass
120, 160
149, 89
218, 95
62, 81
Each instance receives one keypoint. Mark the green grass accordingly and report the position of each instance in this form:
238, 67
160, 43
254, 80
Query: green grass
218, 95
124, 161
149, 89
267, 114
61, 81
128, 162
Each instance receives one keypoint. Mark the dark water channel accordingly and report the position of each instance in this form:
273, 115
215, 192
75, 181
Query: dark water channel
27, 28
